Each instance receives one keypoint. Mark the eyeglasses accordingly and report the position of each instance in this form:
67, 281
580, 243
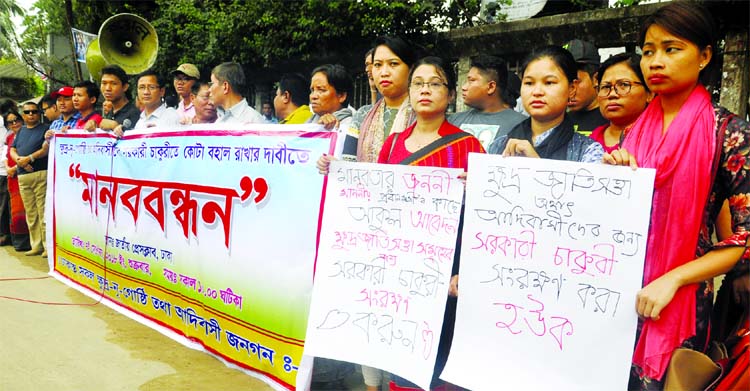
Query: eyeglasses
432, 86
14, 121
621, 88
28, 112
151, 88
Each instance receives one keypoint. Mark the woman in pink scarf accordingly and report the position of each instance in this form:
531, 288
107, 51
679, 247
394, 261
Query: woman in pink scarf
700, 155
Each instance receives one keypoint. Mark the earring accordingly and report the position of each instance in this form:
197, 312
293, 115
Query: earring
701, 66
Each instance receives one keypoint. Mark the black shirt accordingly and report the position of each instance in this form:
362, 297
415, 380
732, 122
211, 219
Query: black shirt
585, 121
130, 112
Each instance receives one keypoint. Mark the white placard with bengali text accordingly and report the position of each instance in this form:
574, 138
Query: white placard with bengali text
551, 260
386, 250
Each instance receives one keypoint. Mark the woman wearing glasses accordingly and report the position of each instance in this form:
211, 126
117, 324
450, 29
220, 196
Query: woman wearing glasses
700, 153
19, 231
548, 81
432, 141
623, 95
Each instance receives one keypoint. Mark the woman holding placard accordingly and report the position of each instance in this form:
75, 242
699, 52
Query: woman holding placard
700, 153
548, 81
392, 59
432, 141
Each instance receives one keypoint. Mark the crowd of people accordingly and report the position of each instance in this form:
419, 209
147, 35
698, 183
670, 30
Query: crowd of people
650, 110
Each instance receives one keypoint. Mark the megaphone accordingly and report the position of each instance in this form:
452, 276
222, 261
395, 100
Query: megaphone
126, 40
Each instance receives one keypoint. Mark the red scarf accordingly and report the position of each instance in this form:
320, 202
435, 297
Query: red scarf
682, 158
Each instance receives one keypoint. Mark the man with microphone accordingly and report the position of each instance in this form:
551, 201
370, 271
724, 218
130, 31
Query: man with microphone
115, 87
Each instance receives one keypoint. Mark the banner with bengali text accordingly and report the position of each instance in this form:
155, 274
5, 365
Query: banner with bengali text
552, 258
208, 234
387, 240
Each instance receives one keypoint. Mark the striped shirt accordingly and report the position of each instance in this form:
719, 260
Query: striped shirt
60, 122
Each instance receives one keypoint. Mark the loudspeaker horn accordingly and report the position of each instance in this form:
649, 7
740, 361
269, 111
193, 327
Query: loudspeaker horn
94, 60
126, 40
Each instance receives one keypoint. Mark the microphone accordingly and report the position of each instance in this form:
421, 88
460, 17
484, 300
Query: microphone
126, 124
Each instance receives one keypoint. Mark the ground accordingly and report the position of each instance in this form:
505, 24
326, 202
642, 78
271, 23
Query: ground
84, 345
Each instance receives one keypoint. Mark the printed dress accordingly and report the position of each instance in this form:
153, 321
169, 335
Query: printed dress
732, 182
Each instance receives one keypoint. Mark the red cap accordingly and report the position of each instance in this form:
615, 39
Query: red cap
63, 91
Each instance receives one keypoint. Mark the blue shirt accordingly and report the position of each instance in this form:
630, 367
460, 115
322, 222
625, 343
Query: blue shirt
60, 122
28, 141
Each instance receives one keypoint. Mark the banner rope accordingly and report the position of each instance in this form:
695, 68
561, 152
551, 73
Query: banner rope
104, 261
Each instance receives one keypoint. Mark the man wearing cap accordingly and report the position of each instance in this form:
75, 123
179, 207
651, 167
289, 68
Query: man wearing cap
227, 83
29, 151
68, 115
489, 115
114, 87
184, 77
583, 108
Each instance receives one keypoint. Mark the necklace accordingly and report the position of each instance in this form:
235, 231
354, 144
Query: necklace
422, 142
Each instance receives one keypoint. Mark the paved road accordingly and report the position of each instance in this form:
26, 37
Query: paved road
89, 346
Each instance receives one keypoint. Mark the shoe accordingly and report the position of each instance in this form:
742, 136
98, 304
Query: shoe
33, 252
5, 241
44, 253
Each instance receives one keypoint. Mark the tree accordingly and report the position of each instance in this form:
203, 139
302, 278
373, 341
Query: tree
257, 34
265, 33
48, 20
8, 9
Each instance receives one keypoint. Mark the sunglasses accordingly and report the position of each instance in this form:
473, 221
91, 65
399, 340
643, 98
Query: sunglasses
30, 112
14, 121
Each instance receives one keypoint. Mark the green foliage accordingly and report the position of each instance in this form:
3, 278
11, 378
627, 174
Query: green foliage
8, 9
626, 3
258, 33
37, 85
263, 33
48, 17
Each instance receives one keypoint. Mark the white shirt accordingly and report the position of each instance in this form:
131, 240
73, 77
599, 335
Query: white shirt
163, 117
242, 113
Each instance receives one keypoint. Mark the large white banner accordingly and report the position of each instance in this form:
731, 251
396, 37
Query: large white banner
386, 250
551, 260
189, 232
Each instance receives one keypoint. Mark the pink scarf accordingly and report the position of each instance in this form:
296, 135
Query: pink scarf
683, 159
